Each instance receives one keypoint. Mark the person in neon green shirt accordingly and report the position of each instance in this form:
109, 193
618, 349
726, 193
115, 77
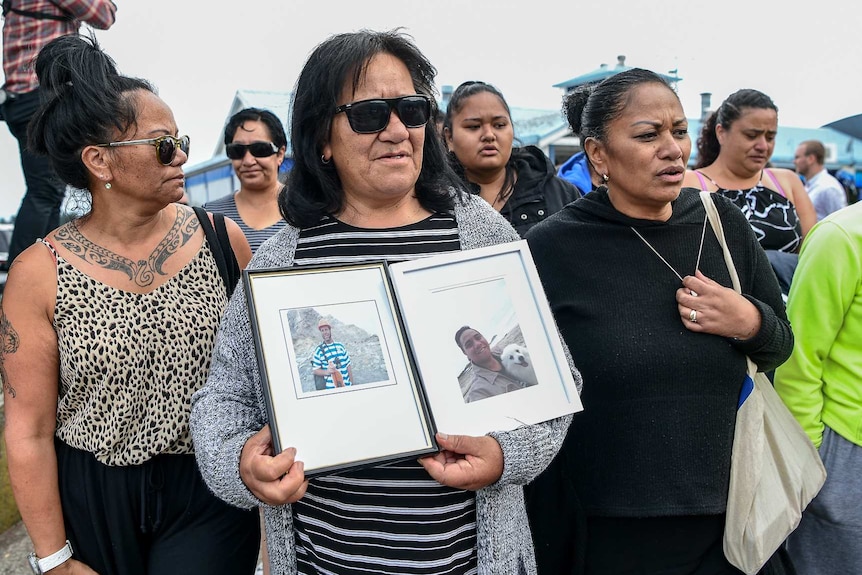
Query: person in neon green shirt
821, 384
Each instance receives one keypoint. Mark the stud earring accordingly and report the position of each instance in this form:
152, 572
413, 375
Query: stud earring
603, 188
107, 185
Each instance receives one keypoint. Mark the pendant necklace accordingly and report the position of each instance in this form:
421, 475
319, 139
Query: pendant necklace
655, 251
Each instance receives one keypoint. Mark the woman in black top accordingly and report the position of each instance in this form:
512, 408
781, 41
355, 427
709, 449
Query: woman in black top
639, 288
520, 183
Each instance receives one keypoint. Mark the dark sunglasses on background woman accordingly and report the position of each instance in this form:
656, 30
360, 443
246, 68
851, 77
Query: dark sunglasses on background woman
257, 149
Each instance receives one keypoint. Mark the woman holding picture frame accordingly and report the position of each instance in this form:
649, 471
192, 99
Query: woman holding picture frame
370, 182
641, 292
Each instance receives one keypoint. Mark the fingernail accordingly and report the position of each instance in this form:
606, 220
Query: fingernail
443, 436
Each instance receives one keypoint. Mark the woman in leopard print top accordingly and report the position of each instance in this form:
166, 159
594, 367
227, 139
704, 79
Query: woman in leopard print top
109, 324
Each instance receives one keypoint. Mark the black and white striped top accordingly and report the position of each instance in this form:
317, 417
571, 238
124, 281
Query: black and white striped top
227, 206
334, 242
390, 519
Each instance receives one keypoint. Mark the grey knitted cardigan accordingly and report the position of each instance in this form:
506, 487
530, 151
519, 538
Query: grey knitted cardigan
230, 408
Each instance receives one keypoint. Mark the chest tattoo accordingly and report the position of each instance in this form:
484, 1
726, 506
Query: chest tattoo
142, 272
8, 344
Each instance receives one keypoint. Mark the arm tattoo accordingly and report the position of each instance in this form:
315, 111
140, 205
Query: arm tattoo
142, 272
8, 344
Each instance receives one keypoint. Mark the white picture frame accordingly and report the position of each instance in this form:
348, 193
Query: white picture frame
496, 291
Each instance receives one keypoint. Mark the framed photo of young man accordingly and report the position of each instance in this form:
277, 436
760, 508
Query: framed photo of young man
335, 366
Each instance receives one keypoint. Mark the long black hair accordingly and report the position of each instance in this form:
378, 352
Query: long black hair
314, 188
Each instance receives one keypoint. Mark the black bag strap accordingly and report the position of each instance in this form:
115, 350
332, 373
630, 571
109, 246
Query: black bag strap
219, 241
65, 17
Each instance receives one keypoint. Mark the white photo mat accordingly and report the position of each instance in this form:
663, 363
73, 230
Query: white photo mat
496, 286
349, 426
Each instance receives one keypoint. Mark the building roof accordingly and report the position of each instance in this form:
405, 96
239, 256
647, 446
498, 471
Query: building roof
851, 125
532, 125
604, 71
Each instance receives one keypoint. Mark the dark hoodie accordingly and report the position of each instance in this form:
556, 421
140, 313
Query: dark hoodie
538, 191
655, 435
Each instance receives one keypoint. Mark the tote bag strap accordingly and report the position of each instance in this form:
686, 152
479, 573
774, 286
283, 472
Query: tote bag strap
715, 222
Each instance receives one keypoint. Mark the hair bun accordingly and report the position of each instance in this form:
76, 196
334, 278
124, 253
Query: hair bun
574, 104
73, 61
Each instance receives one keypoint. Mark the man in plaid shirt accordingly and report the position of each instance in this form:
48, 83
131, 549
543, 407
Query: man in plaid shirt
29, 25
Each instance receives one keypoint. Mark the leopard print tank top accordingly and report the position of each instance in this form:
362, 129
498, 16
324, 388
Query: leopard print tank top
130, 362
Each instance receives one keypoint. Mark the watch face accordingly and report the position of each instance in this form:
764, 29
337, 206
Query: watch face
34, 563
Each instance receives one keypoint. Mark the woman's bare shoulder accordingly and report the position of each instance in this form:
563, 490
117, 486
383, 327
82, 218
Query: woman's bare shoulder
785, 176
690, 180
32, 278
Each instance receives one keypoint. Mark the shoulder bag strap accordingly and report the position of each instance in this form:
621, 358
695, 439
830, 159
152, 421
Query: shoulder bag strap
223, 260
232, 264
715, 222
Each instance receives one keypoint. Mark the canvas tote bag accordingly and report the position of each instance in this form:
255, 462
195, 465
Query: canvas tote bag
775, 470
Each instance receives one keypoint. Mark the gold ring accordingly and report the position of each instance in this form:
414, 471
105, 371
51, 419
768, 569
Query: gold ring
692, 316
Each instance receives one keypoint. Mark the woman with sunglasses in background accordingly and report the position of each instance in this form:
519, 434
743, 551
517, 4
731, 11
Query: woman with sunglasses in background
255, 143
108, 326
370, 181
521, 183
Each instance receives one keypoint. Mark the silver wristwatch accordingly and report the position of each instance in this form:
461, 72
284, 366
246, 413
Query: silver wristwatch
40, 566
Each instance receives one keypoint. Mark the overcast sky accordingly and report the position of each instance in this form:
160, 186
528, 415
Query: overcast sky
199, 53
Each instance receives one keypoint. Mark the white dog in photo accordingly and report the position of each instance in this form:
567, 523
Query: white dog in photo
516, 360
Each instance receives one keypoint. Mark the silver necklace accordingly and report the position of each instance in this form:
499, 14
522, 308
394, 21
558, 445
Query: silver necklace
655, 251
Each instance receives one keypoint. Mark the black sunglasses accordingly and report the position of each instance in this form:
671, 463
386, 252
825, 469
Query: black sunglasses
257, 149
372, 116
166, 147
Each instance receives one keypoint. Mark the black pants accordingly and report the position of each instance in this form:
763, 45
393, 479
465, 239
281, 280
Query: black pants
157, 518
40, 209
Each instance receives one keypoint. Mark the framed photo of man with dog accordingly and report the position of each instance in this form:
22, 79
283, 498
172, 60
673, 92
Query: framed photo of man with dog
363, 363
484, 340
